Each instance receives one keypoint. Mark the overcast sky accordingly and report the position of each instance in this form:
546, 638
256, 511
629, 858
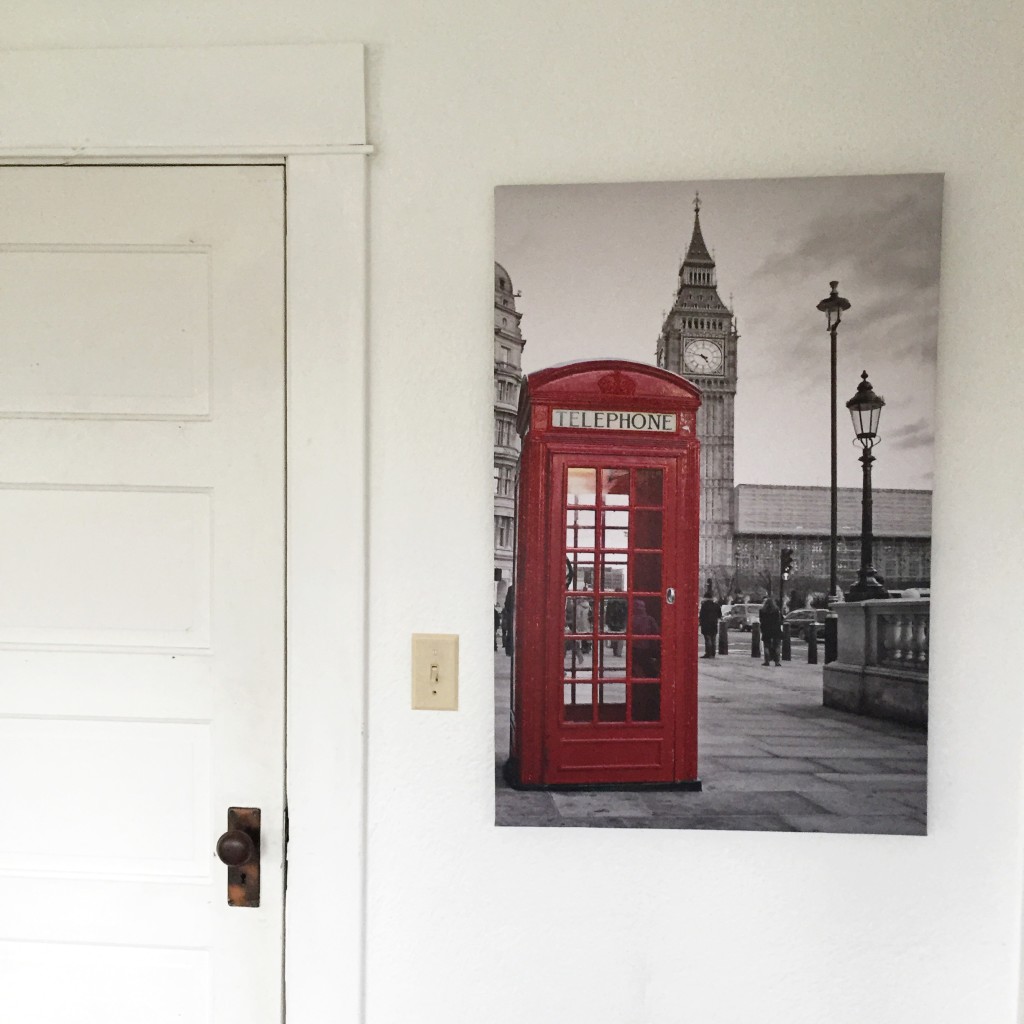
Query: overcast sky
597, 266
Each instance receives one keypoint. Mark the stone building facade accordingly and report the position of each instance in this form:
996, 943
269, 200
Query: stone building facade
699, 341
772, 517
508, 375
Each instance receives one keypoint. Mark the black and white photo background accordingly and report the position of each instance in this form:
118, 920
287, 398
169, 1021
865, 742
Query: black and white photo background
720, 282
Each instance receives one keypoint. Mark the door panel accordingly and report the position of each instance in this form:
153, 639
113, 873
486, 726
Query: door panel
148, 352
142, 606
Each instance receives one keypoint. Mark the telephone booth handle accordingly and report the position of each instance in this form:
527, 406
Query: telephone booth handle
670, 595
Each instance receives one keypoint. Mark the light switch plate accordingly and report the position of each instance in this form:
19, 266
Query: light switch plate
435, 672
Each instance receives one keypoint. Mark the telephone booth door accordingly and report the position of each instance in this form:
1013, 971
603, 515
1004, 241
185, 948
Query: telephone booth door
613, 708
604, 674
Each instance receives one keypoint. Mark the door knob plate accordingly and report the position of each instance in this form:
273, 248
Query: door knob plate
239, 848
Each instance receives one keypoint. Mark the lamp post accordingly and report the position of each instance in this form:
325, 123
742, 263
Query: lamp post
833, 307
865, 411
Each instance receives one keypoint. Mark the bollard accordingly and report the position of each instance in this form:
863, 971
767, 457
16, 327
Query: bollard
812, 644
831, 638
787, 652
755, 640
723, 638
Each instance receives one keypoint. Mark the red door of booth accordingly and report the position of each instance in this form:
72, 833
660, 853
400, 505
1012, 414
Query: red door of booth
616, 704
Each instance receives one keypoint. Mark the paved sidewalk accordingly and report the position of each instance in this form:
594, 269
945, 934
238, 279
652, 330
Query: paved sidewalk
770, 756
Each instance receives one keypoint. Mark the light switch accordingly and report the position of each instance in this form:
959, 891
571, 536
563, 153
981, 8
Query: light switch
435, 672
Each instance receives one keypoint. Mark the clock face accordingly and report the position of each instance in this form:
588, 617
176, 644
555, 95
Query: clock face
703, 356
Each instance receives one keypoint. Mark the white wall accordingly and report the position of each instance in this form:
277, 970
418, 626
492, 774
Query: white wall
471, 924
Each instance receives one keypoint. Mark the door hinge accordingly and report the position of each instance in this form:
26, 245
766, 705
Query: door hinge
287, 832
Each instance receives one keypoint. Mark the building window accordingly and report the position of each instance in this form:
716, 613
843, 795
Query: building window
503, 531
504, 433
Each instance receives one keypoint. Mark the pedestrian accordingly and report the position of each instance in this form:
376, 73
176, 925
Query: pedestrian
771, 631
584, 623
709, 616
507, 616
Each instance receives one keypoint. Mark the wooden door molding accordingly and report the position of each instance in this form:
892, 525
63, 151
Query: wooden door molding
183, 101
303, 106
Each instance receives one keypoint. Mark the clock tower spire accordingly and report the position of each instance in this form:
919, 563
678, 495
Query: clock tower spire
698, 341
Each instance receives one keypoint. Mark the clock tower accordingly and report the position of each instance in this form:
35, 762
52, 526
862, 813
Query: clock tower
698, 341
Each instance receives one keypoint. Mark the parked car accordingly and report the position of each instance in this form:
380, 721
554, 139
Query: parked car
800, 619
741, 616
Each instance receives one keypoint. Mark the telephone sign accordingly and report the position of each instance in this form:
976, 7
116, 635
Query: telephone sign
604, 672
607, 419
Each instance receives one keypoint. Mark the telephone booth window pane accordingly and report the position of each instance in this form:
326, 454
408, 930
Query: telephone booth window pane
579, 517
613, 659
616, 529
646, 616
579, 570
649, 486
647, 528
647, 571
582, 487
645, 655
614, 574
646, 702
613, 615
577, 702
579, 528
614, 486
578, 537
579, 615
611, 702
578, 663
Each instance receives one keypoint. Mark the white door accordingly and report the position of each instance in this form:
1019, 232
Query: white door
141, 590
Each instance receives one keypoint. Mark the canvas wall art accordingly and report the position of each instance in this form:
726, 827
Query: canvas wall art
713, 420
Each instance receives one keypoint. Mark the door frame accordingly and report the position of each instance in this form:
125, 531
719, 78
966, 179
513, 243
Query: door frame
303, 107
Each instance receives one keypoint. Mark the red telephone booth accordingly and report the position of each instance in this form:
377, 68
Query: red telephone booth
604, 673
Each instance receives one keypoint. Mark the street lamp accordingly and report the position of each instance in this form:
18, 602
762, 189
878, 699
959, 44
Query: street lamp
865, 410
833, 307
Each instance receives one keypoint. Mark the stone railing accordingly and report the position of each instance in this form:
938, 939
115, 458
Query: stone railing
902, 635
882, 668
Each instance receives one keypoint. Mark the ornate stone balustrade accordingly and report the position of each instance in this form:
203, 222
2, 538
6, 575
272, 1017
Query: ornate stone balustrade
882, 668
902, 635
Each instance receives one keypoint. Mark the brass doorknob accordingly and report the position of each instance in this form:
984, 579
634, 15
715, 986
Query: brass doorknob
235, 848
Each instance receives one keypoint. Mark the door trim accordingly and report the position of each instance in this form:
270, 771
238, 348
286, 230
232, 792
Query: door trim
303, 106
214, 100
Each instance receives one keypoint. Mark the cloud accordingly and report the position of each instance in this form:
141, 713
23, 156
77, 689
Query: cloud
887, 238
918, 434
880, 238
